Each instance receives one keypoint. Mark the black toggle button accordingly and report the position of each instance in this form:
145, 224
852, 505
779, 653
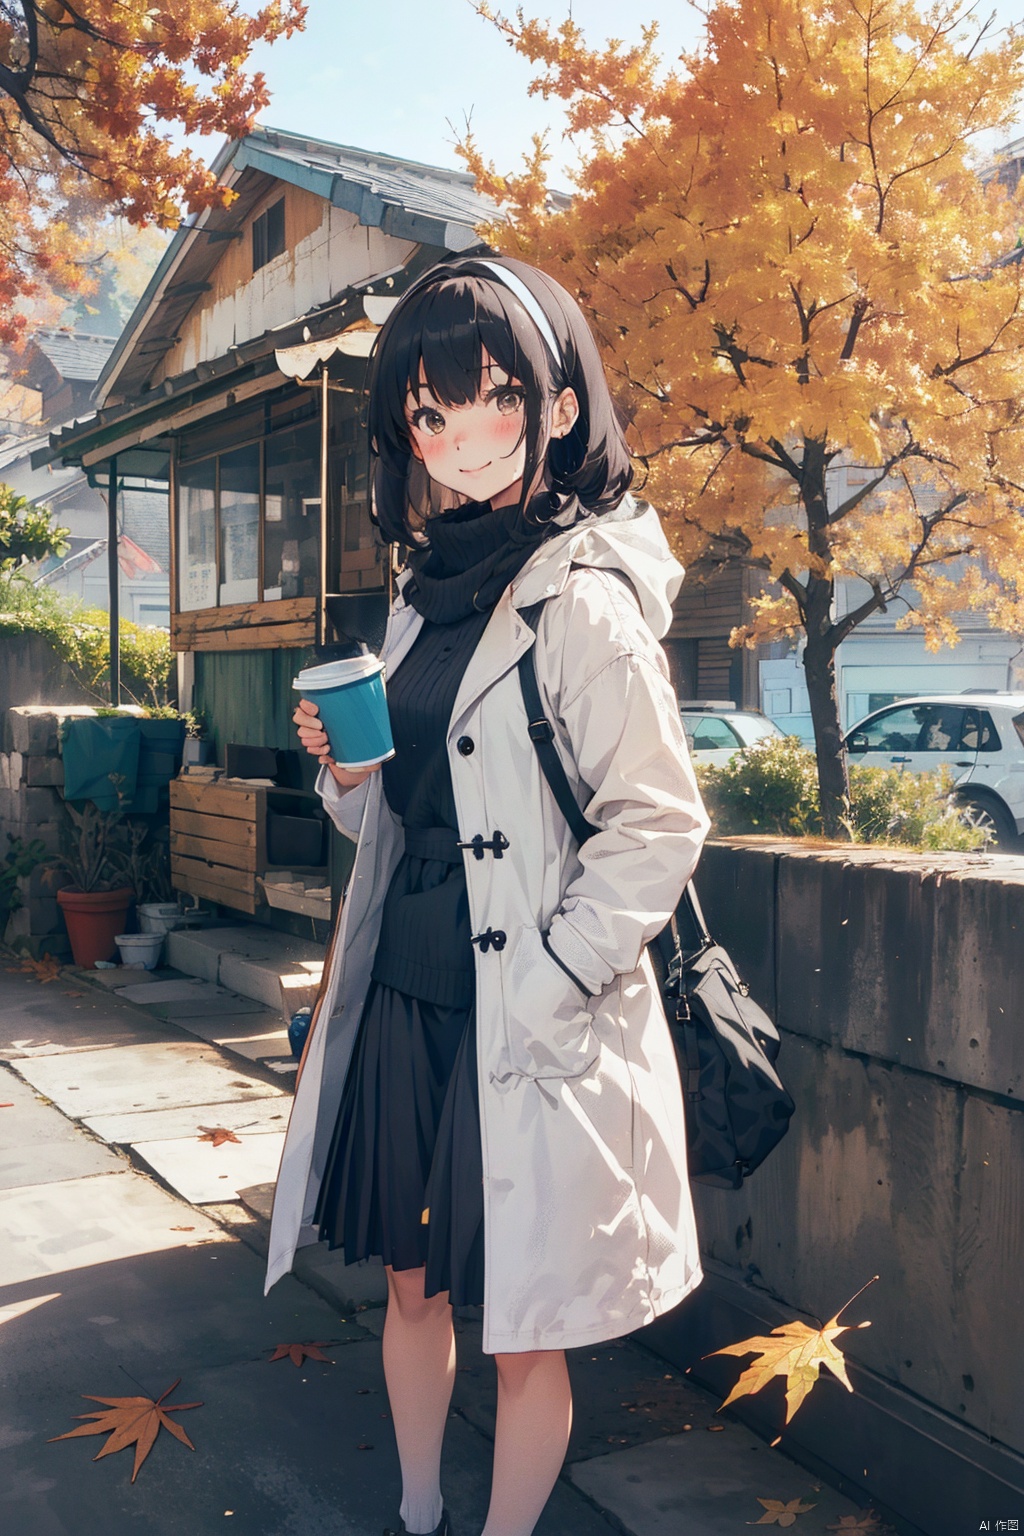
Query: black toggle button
492, 937
466, 745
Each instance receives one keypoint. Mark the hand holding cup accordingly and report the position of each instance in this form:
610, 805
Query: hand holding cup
313, 737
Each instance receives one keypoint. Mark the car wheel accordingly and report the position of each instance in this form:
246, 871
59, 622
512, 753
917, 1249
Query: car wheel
988, 817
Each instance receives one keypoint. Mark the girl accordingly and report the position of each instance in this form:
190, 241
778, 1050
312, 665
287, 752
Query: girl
488, 1098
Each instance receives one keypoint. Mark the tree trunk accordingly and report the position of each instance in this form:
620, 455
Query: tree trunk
833, 779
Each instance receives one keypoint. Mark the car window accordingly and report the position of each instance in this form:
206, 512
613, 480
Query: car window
753, 728
915, 728
979, 732
710, 733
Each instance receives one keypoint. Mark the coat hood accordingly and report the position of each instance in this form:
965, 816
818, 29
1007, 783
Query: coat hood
629, 540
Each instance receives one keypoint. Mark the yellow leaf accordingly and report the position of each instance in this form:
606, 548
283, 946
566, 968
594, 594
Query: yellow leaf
777, 1513
794, 1351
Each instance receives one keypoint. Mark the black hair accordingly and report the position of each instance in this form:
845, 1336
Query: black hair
446, 321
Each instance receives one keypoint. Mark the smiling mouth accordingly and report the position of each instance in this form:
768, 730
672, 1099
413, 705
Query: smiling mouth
477, 470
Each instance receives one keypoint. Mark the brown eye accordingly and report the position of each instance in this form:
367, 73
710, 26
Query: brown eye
428, 420
508, 401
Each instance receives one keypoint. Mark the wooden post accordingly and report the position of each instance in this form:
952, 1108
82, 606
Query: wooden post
321, 611
113, 585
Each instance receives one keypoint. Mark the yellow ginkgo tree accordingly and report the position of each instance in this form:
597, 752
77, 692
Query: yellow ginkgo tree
793, 265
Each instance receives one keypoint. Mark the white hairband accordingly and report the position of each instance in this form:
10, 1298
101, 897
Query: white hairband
529, 303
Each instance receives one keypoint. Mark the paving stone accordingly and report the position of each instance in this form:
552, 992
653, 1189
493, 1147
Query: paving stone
229, 1004
46, 1146
199, 1171
253, 1036
65, 1015
267, 1114
194, 1305
48, 1229
623, 1395
185, 991
702, 1482
130, 1077
119, 976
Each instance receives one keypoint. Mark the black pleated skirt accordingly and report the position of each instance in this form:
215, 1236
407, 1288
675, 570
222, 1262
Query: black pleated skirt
404, 1179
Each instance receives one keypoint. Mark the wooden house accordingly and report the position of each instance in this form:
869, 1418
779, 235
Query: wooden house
238, 382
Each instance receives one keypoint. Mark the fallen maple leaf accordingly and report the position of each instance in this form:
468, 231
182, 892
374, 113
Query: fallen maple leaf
868, 1522
796, 1352
217, 1135
131, 1420
297, 1352
44, 970
777, 1513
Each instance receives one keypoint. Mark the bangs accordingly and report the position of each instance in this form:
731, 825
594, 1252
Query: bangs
455, 326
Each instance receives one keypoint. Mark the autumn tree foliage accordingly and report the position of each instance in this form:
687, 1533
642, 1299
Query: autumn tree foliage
91, 96
791, 264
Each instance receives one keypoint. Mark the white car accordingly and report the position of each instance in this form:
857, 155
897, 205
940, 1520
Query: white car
979, 736
717, 730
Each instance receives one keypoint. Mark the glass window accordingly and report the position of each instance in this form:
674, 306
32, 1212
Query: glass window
358, 559
979, 732
291, 532
197, 535
916, 728
711, 734
240, 525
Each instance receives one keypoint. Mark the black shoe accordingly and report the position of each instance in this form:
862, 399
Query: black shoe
443, 1529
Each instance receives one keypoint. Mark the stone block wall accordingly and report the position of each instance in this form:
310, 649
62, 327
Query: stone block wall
32, 810
897, 981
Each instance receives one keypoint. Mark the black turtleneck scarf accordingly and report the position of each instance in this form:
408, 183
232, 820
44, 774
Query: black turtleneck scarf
472, 555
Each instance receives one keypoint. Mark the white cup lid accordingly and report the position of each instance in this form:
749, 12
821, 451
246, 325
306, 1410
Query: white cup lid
332, 674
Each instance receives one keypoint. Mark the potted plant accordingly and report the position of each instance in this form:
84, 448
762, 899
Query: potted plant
146, 865
95, 904
196, 749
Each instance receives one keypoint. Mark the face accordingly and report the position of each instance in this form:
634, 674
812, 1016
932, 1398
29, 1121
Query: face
477, 450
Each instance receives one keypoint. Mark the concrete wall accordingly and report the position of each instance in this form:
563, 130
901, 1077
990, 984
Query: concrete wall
898, 984
31, 672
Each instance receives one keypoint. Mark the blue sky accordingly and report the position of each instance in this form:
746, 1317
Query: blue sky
391, 75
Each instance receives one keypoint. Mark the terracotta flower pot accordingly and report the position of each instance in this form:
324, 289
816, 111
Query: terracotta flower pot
94, 919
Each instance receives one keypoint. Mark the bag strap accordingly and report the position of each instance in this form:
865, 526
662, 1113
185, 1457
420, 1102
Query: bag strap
679, 947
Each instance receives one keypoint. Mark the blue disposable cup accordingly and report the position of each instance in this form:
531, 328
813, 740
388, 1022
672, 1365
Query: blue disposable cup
353, 709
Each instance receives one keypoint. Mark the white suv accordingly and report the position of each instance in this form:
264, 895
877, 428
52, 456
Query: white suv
979, 736
716, 730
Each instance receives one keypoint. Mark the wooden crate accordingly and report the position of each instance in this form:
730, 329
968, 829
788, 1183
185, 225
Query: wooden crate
219, 839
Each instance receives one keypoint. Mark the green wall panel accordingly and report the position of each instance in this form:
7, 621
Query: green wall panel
247, 697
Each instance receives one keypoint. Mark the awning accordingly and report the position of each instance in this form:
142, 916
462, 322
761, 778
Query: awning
354, 341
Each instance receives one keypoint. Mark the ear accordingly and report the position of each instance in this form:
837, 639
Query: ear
564, 413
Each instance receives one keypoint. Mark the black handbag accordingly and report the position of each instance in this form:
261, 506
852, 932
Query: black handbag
736, 1107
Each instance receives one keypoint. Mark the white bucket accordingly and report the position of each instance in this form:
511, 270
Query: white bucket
159, 916
140, 949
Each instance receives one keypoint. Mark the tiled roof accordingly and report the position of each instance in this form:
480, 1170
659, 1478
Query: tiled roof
74, 354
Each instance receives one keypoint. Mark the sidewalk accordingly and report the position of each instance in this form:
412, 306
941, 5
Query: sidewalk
128, 1261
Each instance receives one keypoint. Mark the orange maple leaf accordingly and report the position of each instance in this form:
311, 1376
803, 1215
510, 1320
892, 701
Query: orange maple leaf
297, 1352
217, 1135
796, 1352
777, 1513
131, 1420
44, 970
866, 1522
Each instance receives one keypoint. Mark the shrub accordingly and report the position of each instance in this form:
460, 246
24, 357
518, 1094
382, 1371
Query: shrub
81, 637
772, 787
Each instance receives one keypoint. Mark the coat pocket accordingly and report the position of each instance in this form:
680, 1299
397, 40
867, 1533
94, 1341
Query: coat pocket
548, 1024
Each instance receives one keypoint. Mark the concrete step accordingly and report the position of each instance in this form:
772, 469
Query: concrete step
348, 1287
244, 957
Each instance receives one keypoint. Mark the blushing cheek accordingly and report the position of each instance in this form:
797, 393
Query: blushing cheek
432, 449
506, 432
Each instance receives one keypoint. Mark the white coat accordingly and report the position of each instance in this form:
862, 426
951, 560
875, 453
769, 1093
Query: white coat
588, 1223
